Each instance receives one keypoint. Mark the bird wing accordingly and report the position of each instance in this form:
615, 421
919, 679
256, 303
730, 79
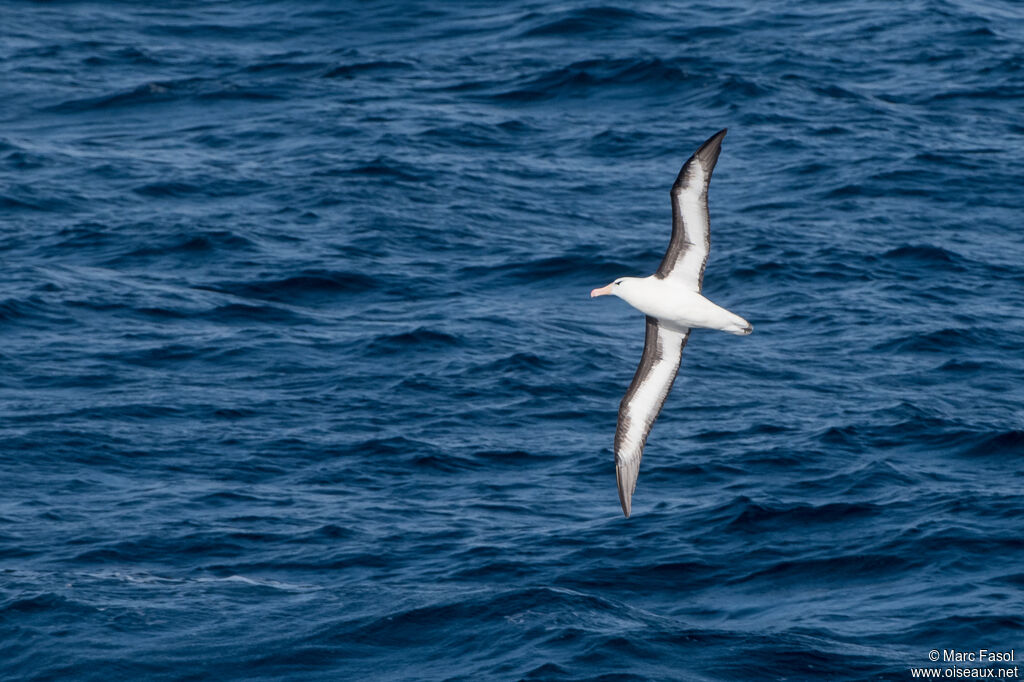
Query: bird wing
663, 349
687, 252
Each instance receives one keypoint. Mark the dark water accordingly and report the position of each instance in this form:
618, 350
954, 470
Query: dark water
300, 380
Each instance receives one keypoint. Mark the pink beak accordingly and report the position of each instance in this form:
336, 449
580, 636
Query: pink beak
603, 291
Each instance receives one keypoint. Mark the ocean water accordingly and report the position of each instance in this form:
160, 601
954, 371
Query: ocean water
300, 380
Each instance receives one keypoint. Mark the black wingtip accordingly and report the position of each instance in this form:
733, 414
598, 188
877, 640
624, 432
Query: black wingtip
706, 155
625, 492
709, 151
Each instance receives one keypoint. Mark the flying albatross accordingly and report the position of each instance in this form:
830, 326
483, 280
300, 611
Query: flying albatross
673, 304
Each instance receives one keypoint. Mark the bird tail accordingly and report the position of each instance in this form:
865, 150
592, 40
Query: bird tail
738, 326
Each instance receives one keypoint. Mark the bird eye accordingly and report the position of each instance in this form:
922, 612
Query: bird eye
618, 283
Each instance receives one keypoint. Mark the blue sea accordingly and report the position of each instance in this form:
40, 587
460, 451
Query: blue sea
300, 380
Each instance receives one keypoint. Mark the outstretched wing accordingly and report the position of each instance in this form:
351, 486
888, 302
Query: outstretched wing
663, 348
691, 231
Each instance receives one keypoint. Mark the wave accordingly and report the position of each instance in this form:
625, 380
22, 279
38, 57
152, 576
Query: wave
413, 626
23, 203
967, 627
910, 428
306, 287
924, 255
583, 21
162, 356
120, 56
1008, 443
510, 458
25, 161
581, 265
417, 340
518, 364
234, 313
281, 65
43, 603
210, 545
757, 518
947, 341
848, 569
1007, 92
26, 308
505, 135
374, 67
384, 168
161, 92
216, 187
822, 267
601, 75
190, 244
619, 143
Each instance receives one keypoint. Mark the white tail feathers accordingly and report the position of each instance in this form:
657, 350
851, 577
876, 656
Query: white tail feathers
738, 326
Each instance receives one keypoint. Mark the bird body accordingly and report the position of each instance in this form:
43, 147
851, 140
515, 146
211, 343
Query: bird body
676, 305
672, 302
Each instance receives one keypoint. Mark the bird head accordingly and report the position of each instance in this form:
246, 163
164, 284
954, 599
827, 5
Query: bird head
615, 288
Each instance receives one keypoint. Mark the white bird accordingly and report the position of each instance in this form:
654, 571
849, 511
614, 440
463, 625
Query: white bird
673, 304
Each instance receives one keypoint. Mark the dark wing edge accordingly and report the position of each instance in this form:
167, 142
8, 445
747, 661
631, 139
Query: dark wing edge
660, 346
683, 236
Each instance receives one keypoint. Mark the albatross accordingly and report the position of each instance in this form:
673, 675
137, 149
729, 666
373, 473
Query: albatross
673, 304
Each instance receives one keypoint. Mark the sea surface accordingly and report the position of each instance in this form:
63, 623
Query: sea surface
300, 380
